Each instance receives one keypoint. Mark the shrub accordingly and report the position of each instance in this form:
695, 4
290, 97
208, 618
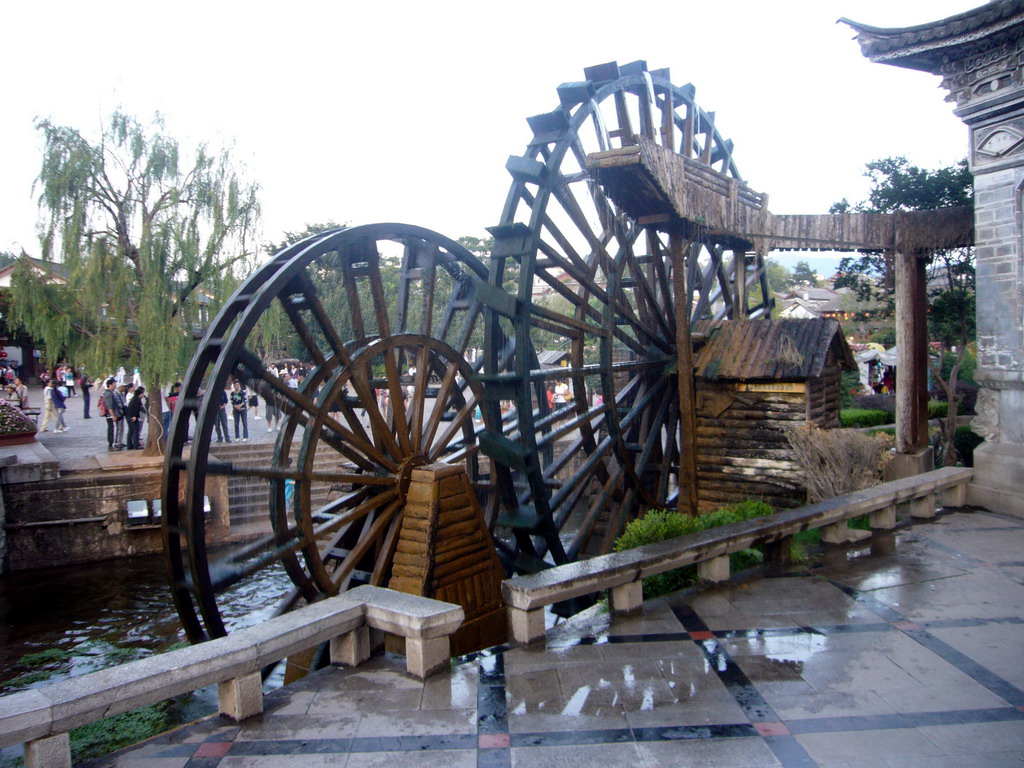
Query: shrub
966, 393
937, 409
885, 403
862, 417
965, 442
835, 461
660, 525
884, 336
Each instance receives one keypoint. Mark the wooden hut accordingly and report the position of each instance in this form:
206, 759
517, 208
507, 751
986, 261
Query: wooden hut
754, 380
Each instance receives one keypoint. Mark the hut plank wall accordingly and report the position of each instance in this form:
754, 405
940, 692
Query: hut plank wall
742, 451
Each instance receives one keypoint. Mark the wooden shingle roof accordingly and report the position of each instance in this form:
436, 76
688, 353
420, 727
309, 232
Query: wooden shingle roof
765, 349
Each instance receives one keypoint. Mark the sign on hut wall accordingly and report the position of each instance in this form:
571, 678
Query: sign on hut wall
771, 386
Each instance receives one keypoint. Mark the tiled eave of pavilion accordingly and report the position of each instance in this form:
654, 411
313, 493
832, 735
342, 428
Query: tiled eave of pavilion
979, 54
928, 46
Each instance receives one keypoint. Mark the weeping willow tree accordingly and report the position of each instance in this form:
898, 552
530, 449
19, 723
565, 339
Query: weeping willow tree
140, 239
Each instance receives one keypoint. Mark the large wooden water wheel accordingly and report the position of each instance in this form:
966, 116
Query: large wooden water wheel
386, 315
600, 287
396, 384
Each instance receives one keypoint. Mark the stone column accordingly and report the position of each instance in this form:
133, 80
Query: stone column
987, 89
999, 461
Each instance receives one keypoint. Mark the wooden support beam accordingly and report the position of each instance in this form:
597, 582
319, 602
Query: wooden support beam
679, 249
912, 354
740, 278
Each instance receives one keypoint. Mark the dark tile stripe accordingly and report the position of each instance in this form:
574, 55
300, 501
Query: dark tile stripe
494, 758
959, 623
905, 720
980, 674
492, 708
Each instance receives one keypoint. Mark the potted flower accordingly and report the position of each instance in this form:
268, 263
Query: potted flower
15, 427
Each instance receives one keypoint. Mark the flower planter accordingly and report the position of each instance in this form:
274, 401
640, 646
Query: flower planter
17, 438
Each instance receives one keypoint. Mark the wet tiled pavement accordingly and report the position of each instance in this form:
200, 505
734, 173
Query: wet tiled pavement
909, 656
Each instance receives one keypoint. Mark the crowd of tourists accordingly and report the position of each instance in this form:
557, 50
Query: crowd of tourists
125, 403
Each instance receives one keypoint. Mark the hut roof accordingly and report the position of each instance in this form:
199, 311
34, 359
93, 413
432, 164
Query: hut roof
772, 349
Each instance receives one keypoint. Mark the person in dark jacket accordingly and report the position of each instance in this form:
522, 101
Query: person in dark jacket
86, 384
240, 410
136, 416
114, 412
221, 422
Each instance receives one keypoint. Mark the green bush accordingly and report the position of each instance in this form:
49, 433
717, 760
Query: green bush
664, 524
965, 441
937, 409
862, 417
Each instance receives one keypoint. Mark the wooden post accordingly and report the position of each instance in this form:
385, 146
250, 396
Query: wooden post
740, 281
687, 396
912, 354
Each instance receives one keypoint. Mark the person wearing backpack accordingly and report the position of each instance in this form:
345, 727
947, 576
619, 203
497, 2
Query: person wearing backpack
110, 409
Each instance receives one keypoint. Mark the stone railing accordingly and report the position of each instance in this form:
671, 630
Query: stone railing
622, 572
41, 718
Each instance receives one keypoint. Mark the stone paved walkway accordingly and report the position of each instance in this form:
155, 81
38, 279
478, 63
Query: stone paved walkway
907, 656
77, 448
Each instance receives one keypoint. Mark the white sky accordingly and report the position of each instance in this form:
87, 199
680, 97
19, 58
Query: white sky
407, 111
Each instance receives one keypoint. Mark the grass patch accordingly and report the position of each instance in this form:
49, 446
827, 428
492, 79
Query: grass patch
661, 525
43, 658
113, 733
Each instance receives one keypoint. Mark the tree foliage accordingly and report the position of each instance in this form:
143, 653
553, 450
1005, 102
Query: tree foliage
143, 235
896, 185
804, 275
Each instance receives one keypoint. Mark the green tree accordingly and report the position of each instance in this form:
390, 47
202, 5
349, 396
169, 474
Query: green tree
779, 277
951, 327
804, 275
146, 236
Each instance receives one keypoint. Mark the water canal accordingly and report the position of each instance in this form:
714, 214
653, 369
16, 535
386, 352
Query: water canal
56, 623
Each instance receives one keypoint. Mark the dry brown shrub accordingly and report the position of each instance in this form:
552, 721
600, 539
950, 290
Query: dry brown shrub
838, 461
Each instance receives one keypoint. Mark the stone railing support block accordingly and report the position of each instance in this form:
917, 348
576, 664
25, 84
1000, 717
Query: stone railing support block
714, 571
526, 626
51, 752
241, 697
955, 496
837, 533
352, 648
426, 655
923, 507
627, 597
884, 519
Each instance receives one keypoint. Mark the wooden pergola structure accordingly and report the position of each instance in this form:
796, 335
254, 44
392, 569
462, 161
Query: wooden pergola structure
666, 189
